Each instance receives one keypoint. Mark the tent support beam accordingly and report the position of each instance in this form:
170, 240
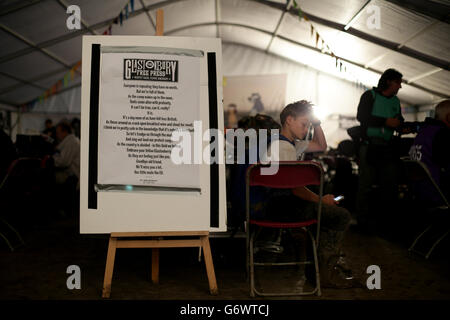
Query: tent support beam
148, 15
280, 21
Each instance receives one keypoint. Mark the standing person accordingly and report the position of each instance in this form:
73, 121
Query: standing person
379, 113
302, 203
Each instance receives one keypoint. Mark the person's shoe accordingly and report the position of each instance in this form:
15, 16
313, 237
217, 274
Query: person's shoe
341, 264
335, 278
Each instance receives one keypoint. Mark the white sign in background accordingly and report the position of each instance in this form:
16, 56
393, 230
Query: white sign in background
137, 118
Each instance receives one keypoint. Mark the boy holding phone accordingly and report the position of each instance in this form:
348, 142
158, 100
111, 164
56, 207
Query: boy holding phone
301, 203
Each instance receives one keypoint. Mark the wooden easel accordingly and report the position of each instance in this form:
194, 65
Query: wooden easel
121, 240
155, 240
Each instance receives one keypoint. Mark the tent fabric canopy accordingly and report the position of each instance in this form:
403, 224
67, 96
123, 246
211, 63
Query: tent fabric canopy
37, 49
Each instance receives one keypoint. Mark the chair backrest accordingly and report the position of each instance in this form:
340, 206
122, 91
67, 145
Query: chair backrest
290, 174
23, 171
417, 172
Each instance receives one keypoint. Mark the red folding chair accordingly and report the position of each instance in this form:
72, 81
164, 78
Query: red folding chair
290, 174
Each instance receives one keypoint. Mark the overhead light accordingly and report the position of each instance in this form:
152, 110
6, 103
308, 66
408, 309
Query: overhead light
321, 112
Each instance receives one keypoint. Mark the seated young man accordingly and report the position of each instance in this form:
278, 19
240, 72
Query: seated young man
301, 203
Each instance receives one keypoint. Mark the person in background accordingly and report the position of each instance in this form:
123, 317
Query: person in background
49, 130
67, 156
432, 147
379, 113
8, 153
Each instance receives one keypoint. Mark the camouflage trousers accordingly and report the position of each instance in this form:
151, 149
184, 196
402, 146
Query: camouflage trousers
334, 220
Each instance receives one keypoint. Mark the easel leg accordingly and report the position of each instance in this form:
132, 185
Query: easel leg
209, 266
155, 265
109, 267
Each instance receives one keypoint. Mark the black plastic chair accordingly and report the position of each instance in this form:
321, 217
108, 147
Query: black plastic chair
416, 172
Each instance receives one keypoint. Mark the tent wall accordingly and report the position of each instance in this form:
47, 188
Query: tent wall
336, 96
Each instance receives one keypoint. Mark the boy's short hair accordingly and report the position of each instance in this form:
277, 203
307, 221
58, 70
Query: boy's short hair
295, 109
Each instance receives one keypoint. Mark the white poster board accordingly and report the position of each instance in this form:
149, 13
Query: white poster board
151, 85
144, 96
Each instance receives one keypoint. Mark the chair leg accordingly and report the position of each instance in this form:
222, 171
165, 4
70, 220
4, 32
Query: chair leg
252, 267
436, 243
316, 264
11, 247
418, 237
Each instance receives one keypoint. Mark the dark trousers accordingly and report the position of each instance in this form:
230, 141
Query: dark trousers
380, 171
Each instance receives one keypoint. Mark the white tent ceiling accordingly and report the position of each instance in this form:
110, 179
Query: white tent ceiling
37, 49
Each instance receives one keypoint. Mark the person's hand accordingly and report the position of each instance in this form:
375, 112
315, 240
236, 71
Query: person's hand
329, 200
393, 122
314, 121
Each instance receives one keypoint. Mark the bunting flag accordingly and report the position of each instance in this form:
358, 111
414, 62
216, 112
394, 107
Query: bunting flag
126, 11
121, 18
132, 5
325, 48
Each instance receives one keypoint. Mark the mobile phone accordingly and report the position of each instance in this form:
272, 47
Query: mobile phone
339, 198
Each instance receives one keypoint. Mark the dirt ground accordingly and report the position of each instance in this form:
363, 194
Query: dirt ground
37, 271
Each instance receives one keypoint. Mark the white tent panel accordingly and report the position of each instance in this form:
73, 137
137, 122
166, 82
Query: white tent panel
67, 102
70, 50
348, 46
322, 62
22, 94
409, 67
435, 42
296, 30
396, 23
10, 44
337, 96
96, 11
414, 96
303, 82
47, 82
245, 36
6, 82
249, 13
193, 12
438, 81
204, 31
29, 66
139, 25
44, 21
